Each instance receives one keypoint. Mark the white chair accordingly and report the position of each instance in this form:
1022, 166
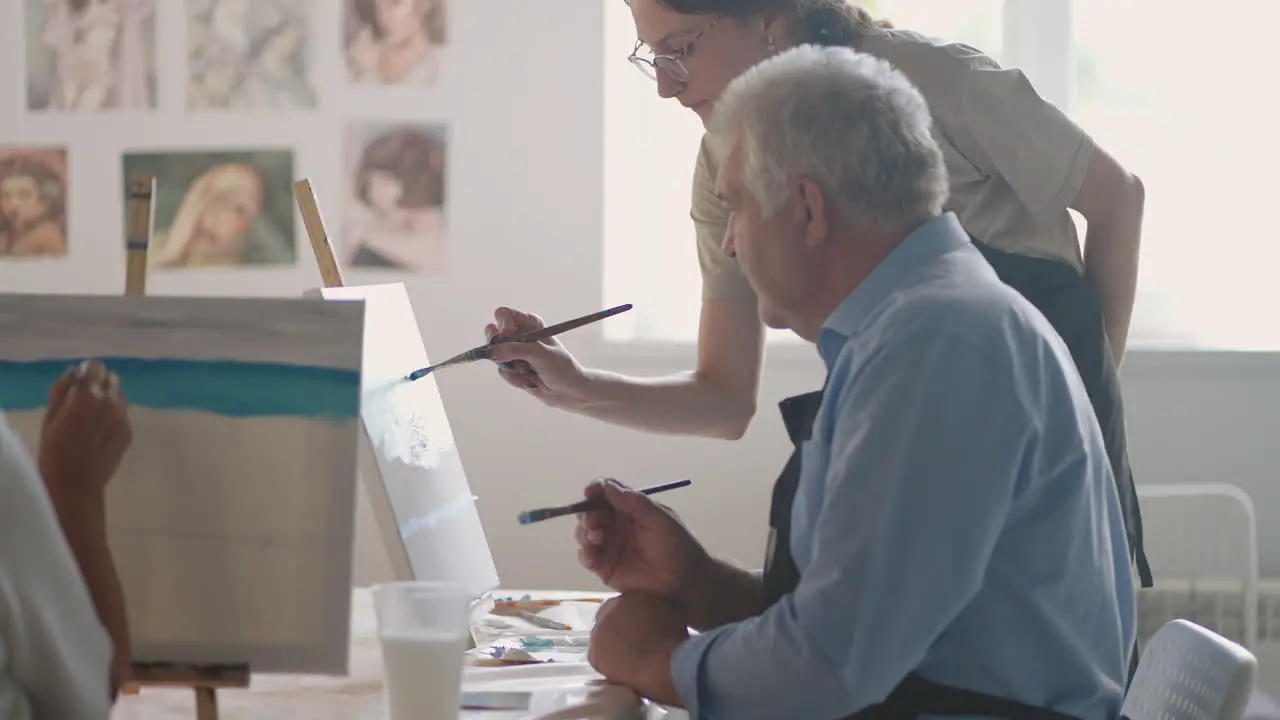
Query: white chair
1188, 672
1202, 534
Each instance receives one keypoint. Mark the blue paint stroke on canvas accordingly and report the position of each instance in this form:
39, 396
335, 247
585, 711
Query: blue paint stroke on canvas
221, 387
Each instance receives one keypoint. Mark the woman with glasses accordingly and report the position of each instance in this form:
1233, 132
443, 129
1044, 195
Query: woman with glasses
1016, 163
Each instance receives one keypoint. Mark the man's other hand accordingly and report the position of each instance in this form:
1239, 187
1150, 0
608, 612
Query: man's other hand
632, 642
635, 544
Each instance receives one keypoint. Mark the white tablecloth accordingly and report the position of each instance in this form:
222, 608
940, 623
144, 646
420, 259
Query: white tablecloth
359, 694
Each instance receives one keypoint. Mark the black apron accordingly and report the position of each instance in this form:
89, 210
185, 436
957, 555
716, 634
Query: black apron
915, 695
1071, 305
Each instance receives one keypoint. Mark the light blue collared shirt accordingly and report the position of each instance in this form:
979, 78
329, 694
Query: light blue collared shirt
956, 514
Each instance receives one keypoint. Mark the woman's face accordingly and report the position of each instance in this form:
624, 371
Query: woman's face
99, 13
383, 190
716, 50
20, 200
99, 20
401, 20
227, 217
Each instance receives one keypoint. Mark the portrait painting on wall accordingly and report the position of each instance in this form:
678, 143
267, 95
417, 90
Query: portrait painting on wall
33, 202
90, 55
219, 209
395, 216
394, 42
249, 55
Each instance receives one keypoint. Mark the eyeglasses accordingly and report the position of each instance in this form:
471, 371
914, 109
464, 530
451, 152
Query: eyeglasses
673, 63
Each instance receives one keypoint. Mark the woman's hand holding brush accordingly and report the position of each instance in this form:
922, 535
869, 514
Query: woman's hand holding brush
544, 369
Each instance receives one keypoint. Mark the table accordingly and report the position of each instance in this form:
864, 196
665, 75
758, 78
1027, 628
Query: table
358, 696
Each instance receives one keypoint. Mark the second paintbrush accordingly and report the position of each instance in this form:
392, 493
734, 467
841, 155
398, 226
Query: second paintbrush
533, 516
485, 351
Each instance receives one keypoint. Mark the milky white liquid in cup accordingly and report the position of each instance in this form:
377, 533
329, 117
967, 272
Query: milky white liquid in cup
423, 675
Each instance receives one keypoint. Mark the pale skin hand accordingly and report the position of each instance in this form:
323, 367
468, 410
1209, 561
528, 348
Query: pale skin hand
717, 399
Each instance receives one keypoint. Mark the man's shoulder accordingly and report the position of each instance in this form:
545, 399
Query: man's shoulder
959, 297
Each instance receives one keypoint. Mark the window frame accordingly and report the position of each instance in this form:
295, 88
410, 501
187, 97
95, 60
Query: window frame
1038, 37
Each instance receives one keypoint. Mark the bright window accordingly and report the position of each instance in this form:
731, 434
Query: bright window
1191, 123
1188, 105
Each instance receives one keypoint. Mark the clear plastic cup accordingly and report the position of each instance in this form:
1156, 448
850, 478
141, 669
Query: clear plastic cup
424, 628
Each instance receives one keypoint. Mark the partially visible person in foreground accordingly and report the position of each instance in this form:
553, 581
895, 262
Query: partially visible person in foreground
955, 525
64, 640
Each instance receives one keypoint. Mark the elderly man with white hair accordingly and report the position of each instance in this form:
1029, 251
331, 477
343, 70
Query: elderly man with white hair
955, 530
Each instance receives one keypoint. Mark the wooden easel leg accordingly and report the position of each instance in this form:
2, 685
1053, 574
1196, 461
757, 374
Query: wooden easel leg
206, 703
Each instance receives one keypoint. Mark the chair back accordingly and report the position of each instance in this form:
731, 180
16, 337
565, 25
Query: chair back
1188, 672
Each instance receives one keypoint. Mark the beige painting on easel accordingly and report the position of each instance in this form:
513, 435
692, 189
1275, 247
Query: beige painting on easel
230, 517
417, 487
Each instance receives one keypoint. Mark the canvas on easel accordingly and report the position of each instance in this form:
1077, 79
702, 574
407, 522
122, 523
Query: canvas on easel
417, 489
230, 516
413, 475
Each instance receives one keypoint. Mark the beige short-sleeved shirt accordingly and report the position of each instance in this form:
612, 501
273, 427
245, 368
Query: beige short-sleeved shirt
1015, 160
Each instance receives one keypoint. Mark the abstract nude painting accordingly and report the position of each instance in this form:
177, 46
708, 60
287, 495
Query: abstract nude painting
249, 55
395, 213
394, 42
219, 209
230, 518
90, 55
410, 466
33, 202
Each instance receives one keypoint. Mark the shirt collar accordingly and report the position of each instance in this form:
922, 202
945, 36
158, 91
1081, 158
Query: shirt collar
936, 237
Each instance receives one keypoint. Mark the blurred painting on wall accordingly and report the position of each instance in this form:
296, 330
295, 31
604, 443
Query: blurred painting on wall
248, 55
33, 202
219, 209
90, 55
394, 42
395, 216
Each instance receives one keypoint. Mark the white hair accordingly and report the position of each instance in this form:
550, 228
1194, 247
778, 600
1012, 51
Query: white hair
846, 120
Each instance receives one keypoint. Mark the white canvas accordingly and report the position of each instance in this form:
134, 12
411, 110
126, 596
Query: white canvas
231, 516
410, 465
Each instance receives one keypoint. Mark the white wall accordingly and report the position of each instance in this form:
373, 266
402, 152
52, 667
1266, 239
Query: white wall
524, 96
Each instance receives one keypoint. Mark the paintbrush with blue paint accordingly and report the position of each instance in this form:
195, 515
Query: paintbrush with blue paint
484, 352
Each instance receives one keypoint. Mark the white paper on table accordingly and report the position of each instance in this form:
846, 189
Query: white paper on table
559, 691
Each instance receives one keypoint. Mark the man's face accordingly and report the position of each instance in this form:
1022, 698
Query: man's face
20, 200
769, 248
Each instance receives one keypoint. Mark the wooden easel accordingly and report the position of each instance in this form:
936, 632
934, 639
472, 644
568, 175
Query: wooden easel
330, 273
203, 679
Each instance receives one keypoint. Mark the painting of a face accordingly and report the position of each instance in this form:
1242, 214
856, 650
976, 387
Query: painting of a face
230, 208
20, 200
97, 13
384, 190
400, 19
234, 204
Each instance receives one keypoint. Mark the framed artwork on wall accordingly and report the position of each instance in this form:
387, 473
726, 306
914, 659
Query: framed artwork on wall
395, 197
33, 202
220, 208
90, 55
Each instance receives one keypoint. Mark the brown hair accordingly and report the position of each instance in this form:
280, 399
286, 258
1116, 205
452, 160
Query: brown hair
49, 182
821, 22
413, 157
433, 23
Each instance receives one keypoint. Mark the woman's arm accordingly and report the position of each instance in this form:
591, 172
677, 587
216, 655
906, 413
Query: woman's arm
1111, 199
717, 399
